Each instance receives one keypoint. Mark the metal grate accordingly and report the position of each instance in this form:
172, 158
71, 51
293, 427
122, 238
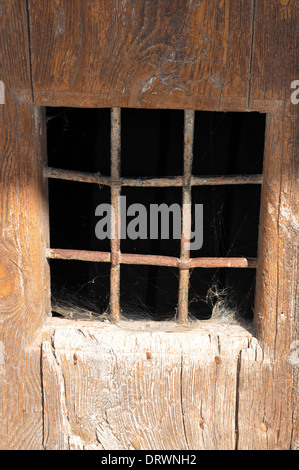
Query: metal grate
115, 181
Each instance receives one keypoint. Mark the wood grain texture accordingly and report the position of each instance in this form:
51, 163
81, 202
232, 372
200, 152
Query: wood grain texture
110, 387
23, 217
265, 403
21, 413
277, 273
276, 309
54, 402
24, 279
107, 387
274, 67
274, 51
156, 389
148, 53
23, 274
14, 50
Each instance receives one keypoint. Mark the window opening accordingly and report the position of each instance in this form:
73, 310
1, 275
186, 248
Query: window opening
214, 158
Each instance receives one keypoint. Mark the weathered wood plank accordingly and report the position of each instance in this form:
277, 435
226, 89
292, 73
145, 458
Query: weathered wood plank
54, 402
24, 283
23, 216
210, 387
21, 414
277, 273
210, 391
14, 50
23, 235
274, 67
274, 51
276, 310
159, 53
155, 389
265, 419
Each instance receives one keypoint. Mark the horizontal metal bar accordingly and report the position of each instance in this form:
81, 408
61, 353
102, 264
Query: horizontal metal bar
78, 176
226, 179
151, 260
176, 181
79, 255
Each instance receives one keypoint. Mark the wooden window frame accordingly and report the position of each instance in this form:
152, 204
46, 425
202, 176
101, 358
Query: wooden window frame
267, 265
269, 233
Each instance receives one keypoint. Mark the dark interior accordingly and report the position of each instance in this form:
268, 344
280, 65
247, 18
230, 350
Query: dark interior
152, 145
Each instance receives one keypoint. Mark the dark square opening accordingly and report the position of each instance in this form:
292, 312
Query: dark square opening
153, 146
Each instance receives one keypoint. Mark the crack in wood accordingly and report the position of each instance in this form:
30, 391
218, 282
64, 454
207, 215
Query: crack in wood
130, 389
182, 402
251, 52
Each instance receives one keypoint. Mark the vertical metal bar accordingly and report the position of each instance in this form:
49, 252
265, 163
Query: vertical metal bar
115, 214
186, 217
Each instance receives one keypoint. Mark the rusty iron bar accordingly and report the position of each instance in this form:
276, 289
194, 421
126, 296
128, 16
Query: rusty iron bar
183, 303
151, 260
115, 215
78, 255
77, 176
226, 179
175, 181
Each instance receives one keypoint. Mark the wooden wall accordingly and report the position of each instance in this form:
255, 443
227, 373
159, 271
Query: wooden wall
212, 55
